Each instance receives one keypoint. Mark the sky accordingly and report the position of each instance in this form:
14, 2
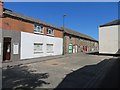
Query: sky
83, 17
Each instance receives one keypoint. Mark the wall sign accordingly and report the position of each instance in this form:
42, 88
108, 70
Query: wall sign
15, 48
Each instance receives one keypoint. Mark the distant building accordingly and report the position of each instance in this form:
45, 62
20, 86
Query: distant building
75, 42
109, 37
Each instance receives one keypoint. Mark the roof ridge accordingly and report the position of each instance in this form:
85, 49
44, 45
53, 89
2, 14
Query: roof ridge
67, 30
29, 18
111, 23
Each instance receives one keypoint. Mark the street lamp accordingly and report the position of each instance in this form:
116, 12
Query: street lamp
63, 31
64, 20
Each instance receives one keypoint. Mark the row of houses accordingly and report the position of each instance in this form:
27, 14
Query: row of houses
23, 37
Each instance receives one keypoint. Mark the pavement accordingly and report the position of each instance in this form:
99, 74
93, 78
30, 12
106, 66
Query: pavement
70, 71
33, 60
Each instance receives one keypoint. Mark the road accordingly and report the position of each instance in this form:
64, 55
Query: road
58, 73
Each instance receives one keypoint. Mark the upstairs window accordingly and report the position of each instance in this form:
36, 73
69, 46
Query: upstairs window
39, 29
50, 31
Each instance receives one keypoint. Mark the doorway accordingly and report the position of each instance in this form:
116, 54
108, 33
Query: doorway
70, 48
7, 49
75, 49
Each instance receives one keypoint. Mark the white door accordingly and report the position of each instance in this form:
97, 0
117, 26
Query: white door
76, 49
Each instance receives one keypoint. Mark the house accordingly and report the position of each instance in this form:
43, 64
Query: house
109, 37
75, 42
23, 37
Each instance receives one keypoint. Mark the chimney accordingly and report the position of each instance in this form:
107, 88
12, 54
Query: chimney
1, 8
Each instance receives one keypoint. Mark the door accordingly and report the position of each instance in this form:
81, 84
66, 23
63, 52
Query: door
70, 48
6, 49
75, 49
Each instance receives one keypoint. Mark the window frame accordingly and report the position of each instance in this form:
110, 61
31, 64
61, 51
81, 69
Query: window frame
52, 48
37, 51
40, 30
48, 29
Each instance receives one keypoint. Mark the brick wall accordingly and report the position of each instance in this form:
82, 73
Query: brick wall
14, 24
79, 42
19, 25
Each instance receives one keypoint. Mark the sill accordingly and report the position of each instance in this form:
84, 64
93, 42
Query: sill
37, 52
50, 35
6, 61
50, 52
38, 33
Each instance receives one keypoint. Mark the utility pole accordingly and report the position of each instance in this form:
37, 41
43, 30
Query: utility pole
63, 31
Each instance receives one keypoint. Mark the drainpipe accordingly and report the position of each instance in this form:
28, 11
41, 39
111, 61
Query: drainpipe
63, 32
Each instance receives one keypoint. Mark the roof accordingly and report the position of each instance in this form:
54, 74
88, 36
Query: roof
27, 18
115, 22
72, 32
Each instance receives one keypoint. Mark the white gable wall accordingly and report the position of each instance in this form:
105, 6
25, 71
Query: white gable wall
108, 39
119, 37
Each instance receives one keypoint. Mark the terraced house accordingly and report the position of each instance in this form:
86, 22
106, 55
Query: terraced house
23, 37
75, 42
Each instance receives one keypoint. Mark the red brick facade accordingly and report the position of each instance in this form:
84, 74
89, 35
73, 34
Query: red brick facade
82, 45
19, 25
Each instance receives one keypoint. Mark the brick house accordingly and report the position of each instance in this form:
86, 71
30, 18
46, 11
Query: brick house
23, 37
75, 42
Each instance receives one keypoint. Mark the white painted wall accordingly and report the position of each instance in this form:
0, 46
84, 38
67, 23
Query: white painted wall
119, 37
108, 39
27, 45
1, 48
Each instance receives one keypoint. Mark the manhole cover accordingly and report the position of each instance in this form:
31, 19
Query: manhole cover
55, 64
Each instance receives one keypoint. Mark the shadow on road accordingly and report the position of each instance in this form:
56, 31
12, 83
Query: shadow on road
103, 74
20, 77
112, 79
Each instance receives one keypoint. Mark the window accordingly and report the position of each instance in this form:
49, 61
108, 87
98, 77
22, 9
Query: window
50, 31
38, 47
49, 48
38, 29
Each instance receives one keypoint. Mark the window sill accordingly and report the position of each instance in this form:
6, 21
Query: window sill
50, 35
39, 33
37, 52
50, 52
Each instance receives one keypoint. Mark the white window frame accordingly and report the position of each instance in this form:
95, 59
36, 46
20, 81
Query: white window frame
52, 51
38, 29
48, 31
38, 51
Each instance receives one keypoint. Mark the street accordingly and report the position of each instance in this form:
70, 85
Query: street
74, 71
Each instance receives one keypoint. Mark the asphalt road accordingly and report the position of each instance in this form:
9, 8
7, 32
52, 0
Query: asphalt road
77, 70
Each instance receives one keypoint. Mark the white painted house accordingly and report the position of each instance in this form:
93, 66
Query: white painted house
109, 37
